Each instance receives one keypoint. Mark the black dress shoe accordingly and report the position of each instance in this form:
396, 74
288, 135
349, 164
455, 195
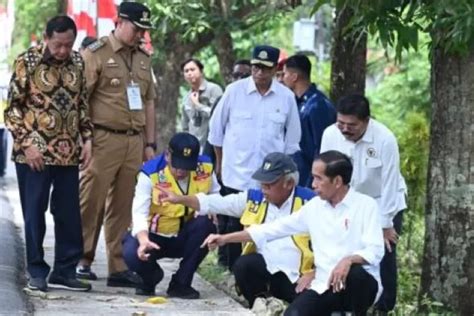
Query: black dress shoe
38, 284
71, 284
182, 291
149, 283
124, 279
85, 272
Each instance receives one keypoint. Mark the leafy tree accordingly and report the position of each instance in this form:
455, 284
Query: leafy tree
186, 27
447, 274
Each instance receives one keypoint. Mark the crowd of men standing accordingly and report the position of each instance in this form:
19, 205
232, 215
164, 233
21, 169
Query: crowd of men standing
84, 127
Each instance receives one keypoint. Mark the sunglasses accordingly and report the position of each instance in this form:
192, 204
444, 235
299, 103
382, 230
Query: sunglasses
240, 75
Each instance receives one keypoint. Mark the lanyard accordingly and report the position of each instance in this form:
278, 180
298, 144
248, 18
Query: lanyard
128, 65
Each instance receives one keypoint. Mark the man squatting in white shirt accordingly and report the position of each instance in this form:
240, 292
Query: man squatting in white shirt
346, 237
265, 271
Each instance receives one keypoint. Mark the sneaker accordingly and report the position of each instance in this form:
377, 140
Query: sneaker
38, 284
182, 291
149, 284
124, 279
85, 272
59, 282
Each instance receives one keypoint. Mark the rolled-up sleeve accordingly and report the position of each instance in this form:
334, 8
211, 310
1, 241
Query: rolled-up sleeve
293, 129
231, 205
141, 204
372, 236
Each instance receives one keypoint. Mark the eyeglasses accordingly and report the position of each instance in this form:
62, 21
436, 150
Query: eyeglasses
240, 75
261, 67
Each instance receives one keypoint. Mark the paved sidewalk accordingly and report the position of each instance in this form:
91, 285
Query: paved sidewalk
12, 299
103, 300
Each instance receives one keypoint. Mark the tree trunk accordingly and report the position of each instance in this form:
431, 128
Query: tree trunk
349, 58
448, 261
224, 50
168, 76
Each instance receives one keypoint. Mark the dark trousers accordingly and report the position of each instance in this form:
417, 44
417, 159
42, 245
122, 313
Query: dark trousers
253, 280
388, 271
228, 254
360, 292
35, 193
185, 245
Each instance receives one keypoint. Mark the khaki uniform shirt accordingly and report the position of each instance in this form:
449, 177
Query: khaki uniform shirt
110, 68
47, 107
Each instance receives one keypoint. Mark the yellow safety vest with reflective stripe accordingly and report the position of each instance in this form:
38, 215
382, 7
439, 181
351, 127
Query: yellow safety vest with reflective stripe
166, 218
256, 212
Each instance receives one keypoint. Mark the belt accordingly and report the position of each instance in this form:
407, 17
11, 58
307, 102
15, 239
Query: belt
128, 132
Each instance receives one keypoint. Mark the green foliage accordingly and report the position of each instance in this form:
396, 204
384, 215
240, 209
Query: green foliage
405, 86
396, 23
452, 24
31, 18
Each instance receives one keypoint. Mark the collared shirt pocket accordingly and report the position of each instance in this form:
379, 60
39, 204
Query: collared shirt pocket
372, 180
243, 129
277, 124
114, 78
143, 78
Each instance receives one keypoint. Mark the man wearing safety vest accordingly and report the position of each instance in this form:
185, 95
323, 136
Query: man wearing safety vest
163, 230
284, 267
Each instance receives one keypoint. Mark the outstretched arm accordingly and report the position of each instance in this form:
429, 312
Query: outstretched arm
214, 240
190, 201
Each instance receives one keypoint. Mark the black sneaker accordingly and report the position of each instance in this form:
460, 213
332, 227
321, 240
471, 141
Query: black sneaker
124, 279
182, 291
85, 272
59, 282
37, 284
149, 284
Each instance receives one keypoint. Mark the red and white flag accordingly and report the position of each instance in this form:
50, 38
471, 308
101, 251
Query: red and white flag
93, 17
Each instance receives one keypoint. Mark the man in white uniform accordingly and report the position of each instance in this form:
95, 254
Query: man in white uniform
346, 238
255, 116
373, 150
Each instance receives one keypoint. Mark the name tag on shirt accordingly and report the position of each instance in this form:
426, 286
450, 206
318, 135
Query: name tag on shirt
134, 97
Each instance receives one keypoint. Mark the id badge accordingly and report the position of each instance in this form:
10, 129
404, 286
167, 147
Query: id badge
134, 97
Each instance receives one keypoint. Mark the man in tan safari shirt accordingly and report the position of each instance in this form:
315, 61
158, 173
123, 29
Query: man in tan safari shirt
121, 95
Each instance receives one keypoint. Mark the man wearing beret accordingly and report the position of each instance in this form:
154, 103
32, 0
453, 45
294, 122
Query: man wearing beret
255, 116
163, 230
121, 94
264, 271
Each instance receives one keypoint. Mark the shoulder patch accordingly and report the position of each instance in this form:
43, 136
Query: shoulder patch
97, 45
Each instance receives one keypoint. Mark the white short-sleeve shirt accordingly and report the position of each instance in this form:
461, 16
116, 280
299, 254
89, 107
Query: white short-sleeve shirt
248, 126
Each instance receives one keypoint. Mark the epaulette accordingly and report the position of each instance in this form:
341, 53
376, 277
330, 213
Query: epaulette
97, 44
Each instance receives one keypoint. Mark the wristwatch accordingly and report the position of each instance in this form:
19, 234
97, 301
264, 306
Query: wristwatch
152, 145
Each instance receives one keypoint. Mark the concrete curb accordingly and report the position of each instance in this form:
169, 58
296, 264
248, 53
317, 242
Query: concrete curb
12, 279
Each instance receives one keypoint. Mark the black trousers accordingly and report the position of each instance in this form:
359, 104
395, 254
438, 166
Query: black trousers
185, 245
360, 292
35, 188
228, 254
253, 280
389, 271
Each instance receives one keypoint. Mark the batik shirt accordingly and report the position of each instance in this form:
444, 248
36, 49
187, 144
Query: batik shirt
47, 107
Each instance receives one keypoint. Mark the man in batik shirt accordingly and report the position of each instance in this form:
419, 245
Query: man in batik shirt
47, 113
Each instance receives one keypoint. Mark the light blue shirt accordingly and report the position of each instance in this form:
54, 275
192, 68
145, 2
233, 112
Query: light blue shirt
248, 126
